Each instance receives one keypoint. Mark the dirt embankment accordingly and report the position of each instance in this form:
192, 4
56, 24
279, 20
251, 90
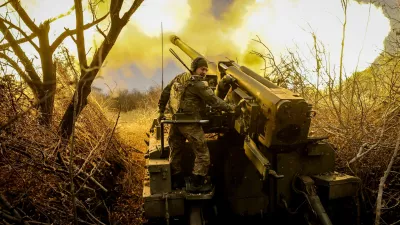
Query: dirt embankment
104, 162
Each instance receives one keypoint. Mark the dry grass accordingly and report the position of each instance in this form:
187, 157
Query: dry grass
131, 131
133, 126
34, 174
359, 112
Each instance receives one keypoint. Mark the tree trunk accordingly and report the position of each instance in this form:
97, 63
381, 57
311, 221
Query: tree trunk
88, 74
85, 82
46, 105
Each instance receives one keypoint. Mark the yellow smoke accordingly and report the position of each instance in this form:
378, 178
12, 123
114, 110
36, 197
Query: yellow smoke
140, 41
153, 12
287, 24
281, 24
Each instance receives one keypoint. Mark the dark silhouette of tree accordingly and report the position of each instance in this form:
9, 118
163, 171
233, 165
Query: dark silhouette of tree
43, 87
88, 72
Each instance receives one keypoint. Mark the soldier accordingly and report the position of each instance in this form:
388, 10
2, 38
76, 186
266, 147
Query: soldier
187, 93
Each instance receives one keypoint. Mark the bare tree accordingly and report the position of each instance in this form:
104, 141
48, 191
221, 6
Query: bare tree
89, 72
43, 87
344, 6
382, 182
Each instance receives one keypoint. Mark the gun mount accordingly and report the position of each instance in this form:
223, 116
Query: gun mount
263, 160
285, 115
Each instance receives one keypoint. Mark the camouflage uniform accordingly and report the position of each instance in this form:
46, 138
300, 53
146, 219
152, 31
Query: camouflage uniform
187, 93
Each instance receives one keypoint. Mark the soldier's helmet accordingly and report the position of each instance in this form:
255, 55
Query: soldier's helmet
198, 62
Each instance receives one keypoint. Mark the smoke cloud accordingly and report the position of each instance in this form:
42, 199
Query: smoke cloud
281, 25
225, 28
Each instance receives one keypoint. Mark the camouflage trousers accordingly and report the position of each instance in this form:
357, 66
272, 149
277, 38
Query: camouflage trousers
195, 135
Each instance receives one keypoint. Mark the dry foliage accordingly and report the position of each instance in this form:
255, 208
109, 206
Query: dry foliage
129, 100
138, 109
360, 115
35, 168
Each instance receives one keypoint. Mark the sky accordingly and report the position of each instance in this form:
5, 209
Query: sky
225, 28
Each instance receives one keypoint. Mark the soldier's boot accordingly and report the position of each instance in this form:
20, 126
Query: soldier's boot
178, 181
199, 184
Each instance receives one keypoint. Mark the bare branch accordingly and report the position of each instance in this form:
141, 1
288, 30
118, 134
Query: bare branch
27, 37
90, 74
101, 32
131, 10
8, 206
67, 33
72, 36
93, 11
30, 70
19, 70
24, 16
19, 41
80, 38
4, 4
361, 151
383, 180
33, 35
344, 6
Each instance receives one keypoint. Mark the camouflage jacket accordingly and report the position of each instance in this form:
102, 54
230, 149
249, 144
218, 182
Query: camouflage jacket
193, 94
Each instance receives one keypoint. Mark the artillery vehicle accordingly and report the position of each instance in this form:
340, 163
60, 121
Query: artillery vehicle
264, 165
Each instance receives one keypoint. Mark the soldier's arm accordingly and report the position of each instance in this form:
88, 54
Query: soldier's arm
209, 97
162, 103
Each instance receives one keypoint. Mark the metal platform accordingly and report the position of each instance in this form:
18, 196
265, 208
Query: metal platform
171, 203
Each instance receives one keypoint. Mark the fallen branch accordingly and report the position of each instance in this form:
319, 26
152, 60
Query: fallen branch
91, 153
9, 217
93, 180
382, 182
16, 215
361, 151
82, 206
6, 223
86, 175
36, 222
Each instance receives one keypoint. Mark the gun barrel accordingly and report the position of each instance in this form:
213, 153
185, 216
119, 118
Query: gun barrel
287, 114
255, 88
184, 47
257, 77
262, 89
212, 67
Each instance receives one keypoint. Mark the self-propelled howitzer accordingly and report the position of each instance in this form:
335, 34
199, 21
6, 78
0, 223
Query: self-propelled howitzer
263, 161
